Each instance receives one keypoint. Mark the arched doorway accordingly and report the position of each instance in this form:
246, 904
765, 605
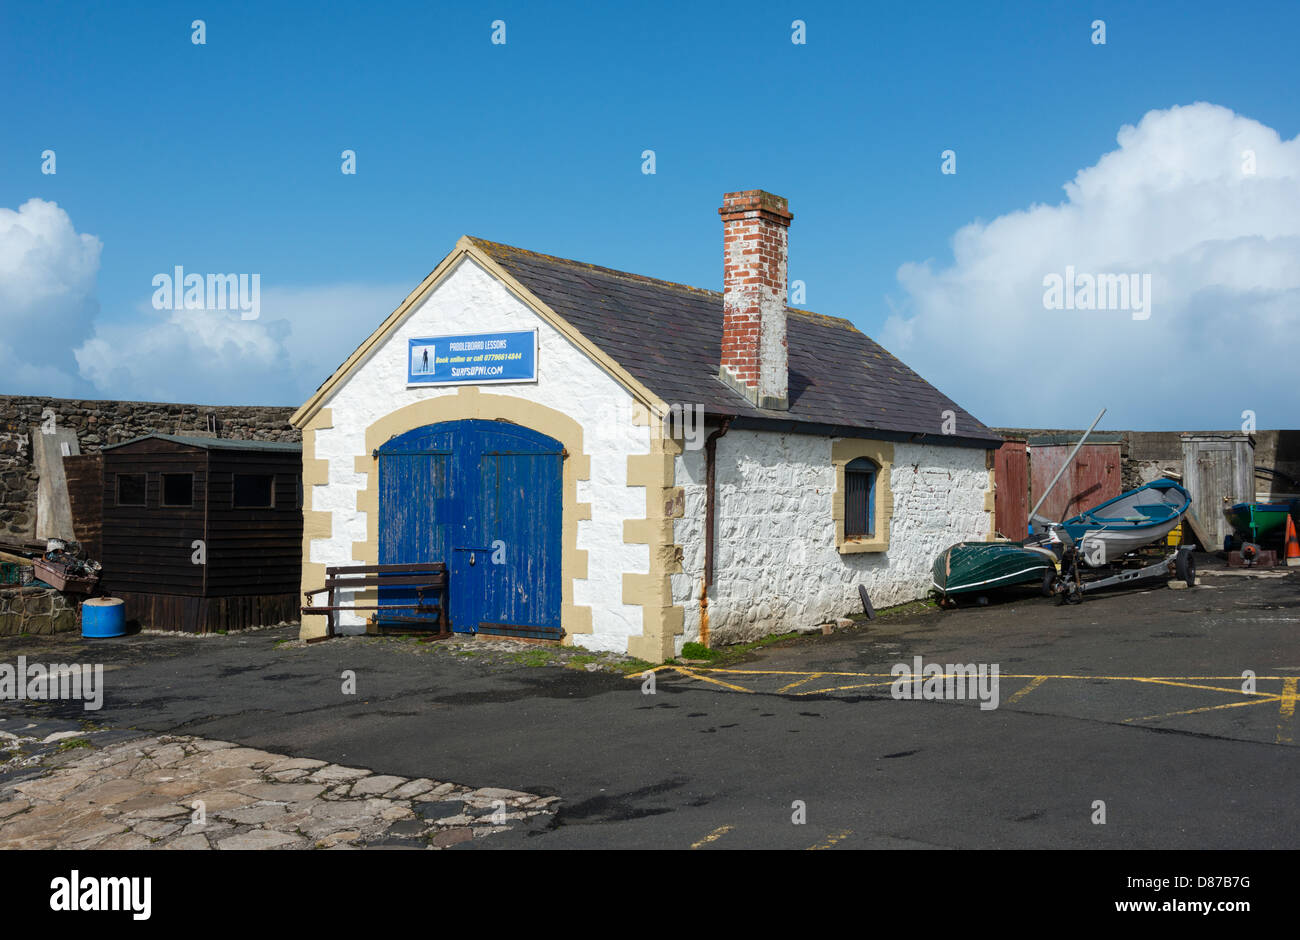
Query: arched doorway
485, 498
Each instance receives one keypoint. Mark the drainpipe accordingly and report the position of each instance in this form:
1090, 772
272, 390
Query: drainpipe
710, 465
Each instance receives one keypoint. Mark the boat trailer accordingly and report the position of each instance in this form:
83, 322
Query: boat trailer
1070, 586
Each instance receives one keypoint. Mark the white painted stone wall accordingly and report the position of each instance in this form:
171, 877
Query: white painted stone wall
469, 300
776, 566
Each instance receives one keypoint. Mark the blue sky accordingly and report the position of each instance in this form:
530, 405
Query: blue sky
225, 157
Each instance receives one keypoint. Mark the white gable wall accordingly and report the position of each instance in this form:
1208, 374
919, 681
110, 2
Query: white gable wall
469, 300
776, 565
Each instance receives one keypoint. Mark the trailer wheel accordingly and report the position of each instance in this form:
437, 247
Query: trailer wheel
1185, 566
1049, 582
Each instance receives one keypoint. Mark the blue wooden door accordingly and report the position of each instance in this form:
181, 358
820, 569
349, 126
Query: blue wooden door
418, 495
485, 498
519, 517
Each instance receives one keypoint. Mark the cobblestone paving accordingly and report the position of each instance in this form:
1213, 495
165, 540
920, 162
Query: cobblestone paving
77, 790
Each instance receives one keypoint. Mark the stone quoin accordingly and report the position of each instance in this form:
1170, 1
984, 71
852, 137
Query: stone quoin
568, 501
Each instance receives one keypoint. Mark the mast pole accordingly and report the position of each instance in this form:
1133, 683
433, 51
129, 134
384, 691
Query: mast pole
1068, 460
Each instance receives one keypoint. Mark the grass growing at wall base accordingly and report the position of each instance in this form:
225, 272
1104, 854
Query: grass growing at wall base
699, 651
924, 605
693, 653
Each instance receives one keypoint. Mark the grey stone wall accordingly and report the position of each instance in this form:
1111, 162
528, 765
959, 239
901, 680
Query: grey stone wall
100, 423
1150, 455
36, 610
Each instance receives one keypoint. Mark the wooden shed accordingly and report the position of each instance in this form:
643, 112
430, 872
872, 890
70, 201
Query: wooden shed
203, 534
1218, 471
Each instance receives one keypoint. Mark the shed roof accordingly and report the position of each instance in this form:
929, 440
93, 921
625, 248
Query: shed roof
215, 443
669, 337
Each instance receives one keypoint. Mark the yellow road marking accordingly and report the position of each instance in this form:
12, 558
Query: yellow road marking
841, 688
1238, 690
725, 685
1209, 708
1029, 687
713, 836
1286, 711
1001, 675
798, 682
831, 840
1286, 700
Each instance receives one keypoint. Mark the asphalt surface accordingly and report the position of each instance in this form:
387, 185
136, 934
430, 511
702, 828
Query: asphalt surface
1134, 699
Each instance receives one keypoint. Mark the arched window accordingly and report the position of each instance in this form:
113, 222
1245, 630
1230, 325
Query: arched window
860, 498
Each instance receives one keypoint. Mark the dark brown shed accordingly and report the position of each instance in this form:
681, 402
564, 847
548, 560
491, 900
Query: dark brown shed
203, 534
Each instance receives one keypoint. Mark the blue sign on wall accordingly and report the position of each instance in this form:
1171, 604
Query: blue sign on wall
477, 358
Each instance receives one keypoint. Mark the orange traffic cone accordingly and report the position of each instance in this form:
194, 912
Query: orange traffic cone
1292, 545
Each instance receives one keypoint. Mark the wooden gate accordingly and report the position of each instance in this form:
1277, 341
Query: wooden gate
1092, 478
1011, 498
1218, 471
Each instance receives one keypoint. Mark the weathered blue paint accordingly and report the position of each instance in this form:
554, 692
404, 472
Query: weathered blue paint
485, 498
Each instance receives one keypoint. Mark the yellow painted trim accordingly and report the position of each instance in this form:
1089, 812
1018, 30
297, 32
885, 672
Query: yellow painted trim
844, 450
471, 402
465, 248
316, 524
661, 619
990, 500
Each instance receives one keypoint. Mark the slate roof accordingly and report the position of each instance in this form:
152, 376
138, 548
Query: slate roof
669, 337
215, 443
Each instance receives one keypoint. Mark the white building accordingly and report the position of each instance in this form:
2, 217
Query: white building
629, 464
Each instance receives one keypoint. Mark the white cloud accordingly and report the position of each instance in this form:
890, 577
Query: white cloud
47, 303
212, 356
1223, 250
52, 343
183, 355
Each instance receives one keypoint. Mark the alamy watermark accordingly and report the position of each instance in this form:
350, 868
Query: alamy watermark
933, 682
1098, 292
38, 682
79, 892
181, 291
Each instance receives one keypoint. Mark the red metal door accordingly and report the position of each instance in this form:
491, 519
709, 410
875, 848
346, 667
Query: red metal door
1011, 498
1094, 477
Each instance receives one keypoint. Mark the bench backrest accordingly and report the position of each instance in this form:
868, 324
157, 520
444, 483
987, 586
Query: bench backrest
431, 574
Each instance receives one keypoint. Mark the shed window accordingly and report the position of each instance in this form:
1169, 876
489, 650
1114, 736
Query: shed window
178, 489
860, 498
131, 489
254, 491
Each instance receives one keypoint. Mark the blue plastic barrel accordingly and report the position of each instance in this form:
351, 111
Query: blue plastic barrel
103, 617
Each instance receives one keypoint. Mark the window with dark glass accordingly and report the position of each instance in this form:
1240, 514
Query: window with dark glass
131, 489
253, 490
178, 489
860, 499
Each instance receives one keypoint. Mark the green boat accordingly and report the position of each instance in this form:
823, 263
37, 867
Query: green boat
984, 566
1258, 522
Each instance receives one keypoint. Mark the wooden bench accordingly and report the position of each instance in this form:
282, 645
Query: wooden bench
425, 579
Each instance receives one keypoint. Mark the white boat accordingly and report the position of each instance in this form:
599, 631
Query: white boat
1128, 522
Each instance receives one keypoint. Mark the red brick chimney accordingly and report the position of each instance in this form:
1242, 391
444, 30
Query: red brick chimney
755, 359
